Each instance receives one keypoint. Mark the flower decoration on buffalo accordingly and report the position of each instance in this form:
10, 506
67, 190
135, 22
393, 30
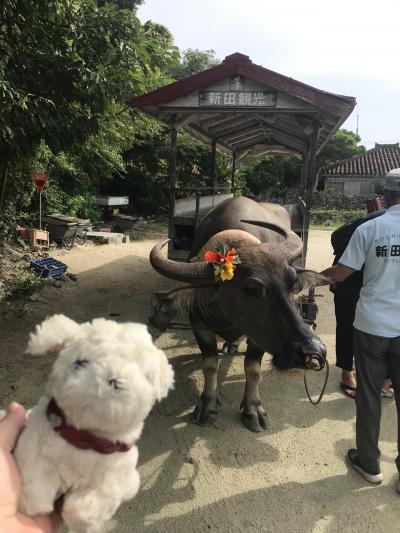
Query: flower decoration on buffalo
223, 260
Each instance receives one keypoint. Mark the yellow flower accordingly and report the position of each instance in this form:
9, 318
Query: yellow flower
227, 272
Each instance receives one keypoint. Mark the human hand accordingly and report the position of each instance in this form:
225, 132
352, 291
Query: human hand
11, 521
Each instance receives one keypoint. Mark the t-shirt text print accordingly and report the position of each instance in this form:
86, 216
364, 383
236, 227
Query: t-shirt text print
389, 253
376, 246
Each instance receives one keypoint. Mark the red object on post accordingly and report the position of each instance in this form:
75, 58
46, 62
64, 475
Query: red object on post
40, 180
374, 204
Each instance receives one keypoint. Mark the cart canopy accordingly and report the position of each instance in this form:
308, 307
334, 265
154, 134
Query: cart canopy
248, 109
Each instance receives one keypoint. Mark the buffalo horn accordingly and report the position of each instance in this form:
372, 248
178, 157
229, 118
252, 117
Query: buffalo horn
200, 272
292, 243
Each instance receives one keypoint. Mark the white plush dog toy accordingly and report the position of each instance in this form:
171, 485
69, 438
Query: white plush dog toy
79, 439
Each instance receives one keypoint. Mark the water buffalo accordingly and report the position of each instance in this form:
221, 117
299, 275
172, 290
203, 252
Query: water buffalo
257, 302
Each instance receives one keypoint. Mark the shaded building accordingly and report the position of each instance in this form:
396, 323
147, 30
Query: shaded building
359, 174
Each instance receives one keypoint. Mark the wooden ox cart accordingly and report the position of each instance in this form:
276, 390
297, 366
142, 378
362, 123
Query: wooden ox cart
243, 109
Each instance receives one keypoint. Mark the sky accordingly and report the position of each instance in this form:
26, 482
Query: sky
348, 47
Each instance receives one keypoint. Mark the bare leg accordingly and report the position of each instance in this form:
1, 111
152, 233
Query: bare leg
387, 389
254, 416
348, 378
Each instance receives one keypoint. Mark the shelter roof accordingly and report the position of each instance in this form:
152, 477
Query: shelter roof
373, 163
247, 108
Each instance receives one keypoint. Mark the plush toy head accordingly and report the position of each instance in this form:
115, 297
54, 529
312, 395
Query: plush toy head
107, 375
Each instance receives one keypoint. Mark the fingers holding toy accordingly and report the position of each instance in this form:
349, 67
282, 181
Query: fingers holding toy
12, 422
11, 426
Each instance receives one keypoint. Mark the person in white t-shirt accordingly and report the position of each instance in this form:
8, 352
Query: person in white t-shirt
376, 246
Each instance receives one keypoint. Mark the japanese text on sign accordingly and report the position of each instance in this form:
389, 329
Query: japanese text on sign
238, 98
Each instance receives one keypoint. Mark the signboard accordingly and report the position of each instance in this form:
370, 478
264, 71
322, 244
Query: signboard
237, 98
40, 180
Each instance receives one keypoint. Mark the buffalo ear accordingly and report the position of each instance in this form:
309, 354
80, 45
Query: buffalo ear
308, 279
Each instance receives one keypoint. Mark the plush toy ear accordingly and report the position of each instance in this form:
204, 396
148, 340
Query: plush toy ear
51, 335
164, 375
159, 372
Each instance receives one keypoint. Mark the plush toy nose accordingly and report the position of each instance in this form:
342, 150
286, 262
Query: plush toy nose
115, 383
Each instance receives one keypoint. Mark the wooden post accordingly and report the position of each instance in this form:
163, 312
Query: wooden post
233, 171
40, 210
213, 161
309, 180
3, 185
172, 179
197, 214
303, 174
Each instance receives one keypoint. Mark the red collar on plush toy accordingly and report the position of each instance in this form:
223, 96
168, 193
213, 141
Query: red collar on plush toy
81, 439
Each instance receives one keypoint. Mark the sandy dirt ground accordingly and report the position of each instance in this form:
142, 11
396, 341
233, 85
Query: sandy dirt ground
291, 478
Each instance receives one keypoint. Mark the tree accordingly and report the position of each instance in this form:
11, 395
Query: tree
62, 63
194, 61
343, 144
270, 175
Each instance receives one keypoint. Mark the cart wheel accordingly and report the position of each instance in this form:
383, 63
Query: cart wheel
67, 243
79, 238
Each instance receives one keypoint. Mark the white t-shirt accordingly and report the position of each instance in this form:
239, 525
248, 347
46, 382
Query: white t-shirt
376, 245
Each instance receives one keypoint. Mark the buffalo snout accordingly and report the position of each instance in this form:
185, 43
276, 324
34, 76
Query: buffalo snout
299, 355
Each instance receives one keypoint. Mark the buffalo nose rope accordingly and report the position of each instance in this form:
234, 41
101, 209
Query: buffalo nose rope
315, 402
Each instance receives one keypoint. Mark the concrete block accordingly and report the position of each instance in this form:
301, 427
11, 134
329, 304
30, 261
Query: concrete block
114, 239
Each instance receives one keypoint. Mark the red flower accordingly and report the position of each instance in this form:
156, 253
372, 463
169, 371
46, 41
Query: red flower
211, 257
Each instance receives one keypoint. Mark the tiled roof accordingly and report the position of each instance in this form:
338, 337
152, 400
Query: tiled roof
241, 64
375, 162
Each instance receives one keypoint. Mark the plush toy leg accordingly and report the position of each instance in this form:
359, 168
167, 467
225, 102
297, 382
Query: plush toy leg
38, 495
87, 511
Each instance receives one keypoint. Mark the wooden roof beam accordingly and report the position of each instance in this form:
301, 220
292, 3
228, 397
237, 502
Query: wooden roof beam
216, 119
203, 137
277, 127
231, 126
244, 133
289, 141
250, 141
184, 119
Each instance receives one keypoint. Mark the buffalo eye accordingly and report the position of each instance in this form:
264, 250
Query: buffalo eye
80, 363
291, 278
254, 288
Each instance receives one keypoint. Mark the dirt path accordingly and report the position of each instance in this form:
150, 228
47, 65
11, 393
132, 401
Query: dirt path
291, 478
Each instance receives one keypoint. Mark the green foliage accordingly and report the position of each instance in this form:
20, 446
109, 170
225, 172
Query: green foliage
343, 144
379, 187
146, 176
334, 217
25, 281
330, 199
164, 55
194, 61
62, 61
67, 68
194, 164
270, 175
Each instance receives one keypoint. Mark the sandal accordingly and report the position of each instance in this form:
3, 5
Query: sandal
387, 393
347, 389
